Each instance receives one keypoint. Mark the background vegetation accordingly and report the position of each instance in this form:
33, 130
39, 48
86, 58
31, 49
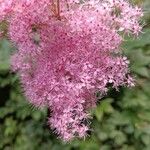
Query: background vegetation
120, 122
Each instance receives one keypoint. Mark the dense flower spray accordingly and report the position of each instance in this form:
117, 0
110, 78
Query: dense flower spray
68, 50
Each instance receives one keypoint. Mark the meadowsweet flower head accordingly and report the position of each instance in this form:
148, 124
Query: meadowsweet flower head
68, 51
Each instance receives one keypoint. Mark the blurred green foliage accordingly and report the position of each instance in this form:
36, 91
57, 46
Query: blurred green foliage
120, 122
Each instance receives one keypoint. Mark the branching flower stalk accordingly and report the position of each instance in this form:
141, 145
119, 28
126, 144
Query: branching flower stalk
56, 9
67, 51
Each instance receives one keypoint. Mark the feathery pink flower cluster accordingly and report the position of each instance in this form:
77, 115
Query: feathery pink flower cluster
67, 51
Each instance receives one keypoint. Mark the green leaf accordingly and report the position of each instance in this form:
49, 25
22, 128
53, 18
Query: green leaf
10, 127
5, 52
139, 42
143, 71
103, 107
145, 139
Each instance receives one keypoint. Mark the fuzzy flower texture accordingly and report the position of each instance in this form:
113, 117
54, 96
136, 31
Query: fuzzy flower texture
69, 50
